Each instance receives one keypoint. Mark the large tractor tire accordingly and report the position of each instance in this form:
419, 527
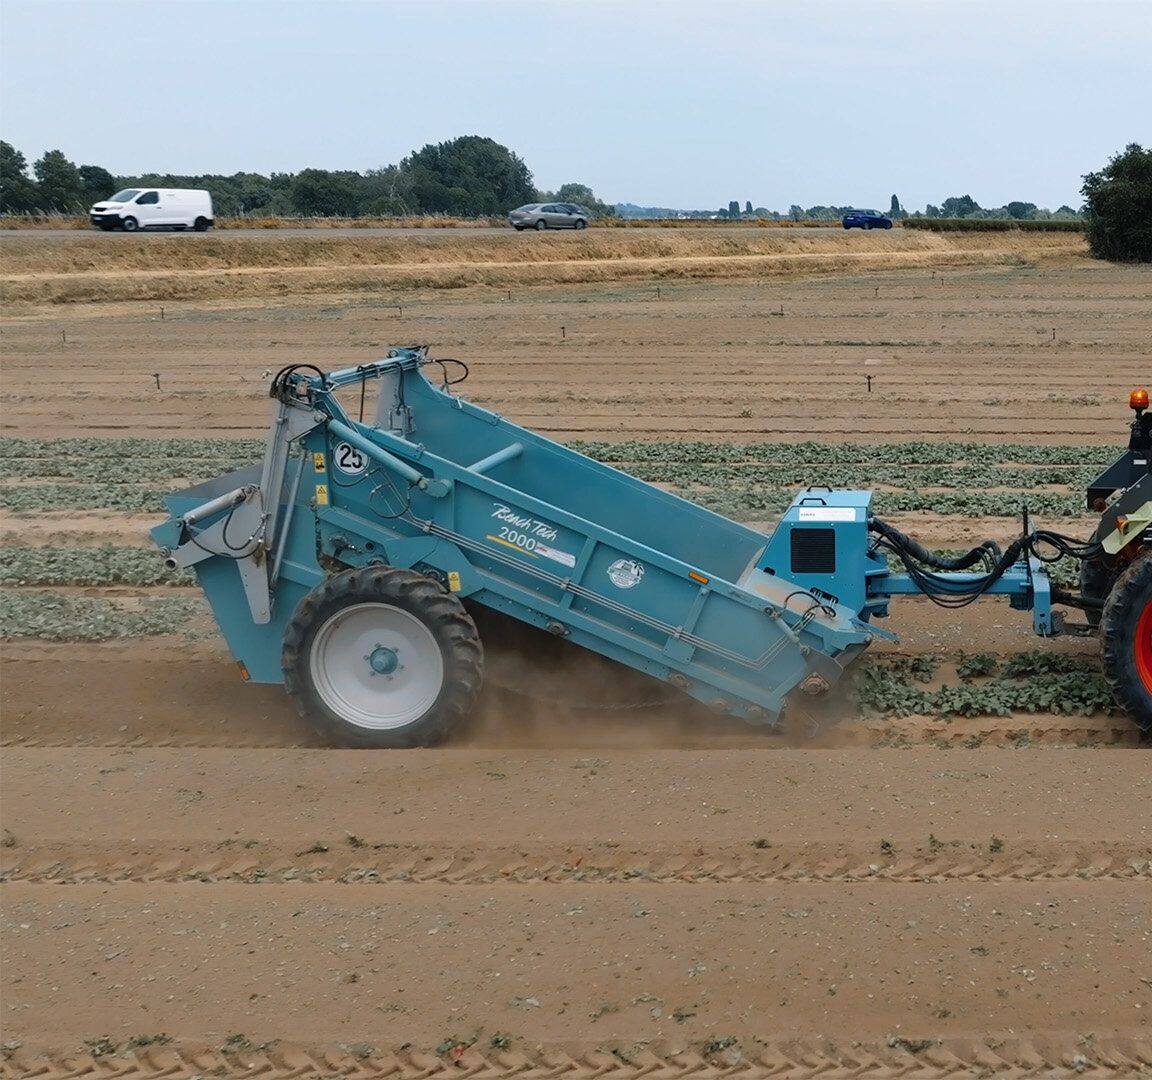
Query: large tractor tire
1126, 638
383, 658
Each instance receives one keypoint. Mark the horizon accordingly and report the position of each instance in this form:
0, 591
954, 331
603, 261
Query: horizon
643, 121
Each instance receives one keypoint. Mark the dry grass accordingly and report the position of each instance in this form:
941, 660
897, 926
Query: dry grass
55, 270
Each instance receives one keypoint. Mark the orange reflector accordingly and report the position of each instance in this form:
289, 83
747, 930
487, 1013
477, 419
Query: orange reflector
1138, 399
243, 671
697, 577
1121, 522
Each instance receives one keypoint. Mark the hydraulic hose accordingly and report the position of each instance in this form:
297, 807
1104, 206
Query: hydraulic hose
989, 551
1042, 544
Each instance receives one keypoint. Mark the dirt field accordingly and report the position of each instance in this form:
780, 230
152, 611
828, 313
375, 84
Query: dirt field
193, 886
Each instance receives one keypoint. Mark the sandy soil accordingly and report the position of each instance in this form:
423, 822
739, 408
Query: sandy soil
193, 886
728, 907
962, 355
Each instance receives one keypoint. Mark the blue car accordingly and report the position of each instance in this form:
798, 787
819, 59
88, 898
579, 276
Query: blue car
866, 219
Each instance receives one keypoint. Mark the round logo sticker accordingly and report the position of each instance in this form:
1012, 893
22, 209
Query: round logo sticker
625, 573
348, 459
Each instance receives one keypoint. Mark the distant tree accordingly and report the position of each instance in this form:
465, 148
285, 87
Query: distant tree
96, 183
17, 192
1065, 212
253, 196
320, 193
734, 209
1118, 207
385, 193
468, 176
826, 213
748, 208
931, 211
581, 195
58, 187
895, 210
796, 213
962, 206
1022, 211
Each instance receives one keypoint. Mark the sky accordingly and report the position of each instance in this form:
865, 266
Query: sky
677, 103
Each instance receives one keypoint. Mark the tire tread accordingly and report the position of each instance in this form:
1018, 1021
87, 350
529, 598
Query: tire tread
444, 615
1129, 597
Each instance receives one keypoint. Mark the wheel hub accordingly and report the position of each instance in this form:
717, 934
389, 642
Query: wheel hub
376, 666
383, 661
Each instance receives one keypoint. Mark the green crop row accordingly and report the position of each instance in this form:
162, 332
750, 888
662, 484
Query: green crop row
44, 497
244, 451
912, 477
106, 565
1071, 685
850, 454
117, 471
132, 448
52, 616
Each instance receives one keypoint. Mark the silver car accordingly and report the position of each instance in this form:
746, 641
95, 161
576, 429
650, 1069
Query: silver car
541, 216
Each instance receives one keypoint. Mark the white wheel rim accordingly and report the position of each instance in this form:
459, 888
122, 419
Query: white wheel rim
376, 666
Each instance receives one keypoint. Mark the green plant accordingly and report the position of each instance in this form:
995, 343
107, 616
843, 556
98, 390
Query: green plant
976, 665
77, 565
49, 616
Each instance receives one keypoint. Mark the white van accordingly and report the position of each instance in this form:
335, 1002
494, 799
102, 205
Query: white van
154, 208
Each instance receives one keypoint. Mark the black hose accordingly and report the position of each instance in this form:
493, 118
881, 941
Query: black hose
1044, 545
279, 385
987, 551
442, 361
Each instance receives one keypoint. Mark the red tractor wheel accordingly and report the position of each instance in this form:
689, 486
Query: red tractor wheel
1126, 636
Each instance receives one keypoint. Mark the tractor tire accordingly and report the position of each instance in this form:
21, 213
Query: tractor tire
1126, 639
382, 658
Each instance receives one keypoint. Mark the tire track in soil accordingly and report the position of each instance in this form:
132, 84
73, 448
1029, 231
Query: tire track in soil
156, 693
626, 968
1054, 1057
602, 863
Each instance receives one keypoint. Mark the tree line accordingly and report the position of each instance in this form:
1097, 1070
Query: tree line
475, 177
467, 177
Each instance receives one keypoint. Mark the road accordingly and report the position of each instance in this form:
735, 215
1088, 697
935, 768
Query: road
248, 234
